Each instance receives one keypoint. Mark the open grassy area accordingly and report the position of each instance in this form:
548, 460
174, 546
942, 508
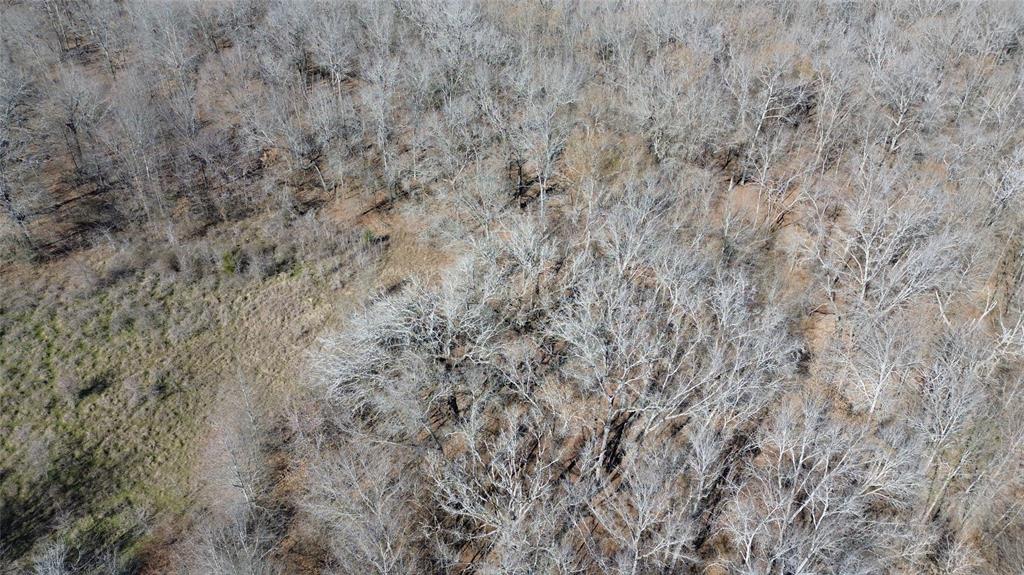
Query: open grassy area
112, 360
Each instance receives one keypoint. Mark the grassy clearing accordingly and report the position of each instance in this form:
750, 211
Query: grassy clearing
110, 363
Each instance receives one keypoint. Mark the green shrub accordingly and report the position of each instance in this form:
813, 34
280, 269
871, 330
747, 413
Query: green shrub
230, 262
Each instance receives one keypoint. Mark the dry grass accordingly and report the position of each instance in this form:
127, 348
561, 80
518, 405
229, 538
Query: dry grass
112, 361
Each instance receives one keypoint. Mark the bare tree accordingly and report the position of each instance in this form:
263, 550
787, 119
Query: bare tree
238, 529
645, 517
805, 503
366, 504
14, 91
895, 245
81, 107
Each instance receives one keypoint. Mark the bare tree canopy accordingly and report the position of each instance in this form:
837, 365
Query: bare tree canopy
583, 287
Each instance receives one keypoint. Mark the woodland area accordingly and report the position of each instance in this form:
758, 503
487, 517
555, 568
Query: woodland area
479, 287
